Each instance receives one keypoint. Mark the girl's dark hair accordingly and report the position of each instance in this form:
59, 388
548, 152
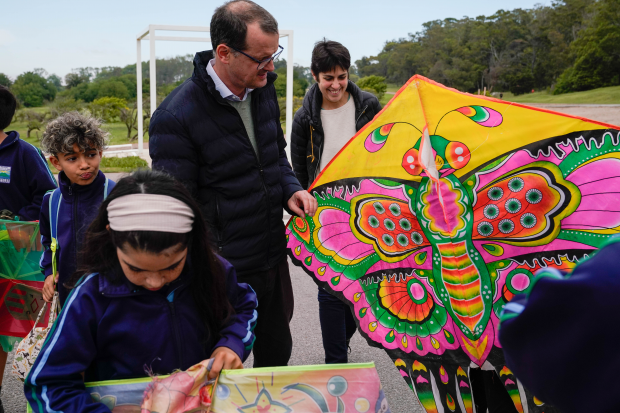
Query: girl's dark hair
327, 55
98, 254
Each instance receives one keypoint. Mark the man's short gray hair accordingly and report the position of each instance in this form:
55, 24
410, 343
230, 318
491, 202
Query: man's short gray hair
229, 24
70, 128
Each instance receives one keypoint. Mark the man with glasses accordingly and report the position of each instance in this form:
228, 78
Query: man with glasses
219, 134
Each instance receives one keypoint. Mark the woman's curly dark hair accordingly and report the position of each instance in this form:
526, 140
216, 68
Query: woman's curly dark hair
70, 128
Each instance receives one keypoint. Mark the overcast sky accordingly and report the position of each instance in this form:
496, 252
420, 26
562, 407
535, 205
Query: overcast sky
59, 35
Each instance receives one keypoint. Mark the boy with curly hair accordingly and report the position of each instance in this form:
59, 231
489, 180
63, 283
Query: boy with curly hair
75, 143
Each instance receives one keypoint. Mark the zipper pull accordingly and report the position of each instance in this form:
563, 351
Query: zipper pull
70, 191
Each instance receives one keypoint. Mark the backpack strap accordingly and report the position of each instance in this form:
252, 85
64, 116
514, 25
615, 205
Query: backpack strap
107, 188
55, 200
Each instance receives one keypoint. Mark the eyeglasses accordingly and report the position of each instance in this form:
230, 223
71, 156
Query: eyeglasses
265, 62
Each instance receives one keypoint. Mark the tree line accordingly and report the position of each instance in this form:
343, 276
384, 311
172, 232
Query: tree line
570, 45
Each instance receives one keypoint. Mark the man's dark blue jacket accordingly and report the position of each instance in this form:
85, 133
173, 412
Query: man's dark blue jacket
198, 138
113, 331
78, 208
24, 178
562, 341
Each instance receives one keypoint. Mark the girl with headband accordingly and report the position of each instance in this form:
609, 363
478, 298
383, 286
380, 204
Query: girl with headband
154, 298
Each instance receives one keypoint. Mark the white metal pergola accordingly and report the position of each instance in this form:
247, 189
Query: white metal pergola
150, 35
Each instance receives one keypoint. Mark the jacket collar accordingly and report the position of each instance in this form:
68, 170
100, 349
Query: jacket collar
12, 137
69, 190
314, 99
201, 60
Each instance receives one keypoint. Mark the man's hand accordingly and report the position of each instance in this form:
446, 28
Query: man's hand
305, 200
49, 286
224, 359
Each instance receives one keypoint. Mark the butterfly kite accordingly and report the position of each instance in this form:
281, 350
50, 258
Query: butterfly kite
439, 211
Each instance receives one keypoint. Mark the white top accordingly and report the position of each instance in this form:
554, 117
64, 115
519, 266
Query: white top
339, 127
221, 87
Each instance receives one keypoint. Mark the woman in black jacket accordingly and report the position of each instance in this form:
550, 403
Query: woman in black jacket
333, 110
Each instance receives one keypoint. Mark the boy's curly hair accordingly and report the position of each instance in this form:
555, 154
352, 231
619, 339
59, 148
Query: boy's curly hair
70, 128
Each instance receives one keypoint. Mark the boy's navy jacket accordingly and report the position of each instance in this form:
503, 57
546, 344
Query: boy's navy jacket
78, 208
24, 178
116, 331
561, 341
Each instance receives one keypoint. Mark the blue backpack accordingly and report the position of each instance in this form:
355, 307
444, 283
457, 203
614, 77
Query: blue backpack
55, 200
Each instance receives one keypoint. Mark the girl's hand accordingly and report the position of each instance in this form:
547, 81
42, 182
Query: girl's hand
224, 359
49, 286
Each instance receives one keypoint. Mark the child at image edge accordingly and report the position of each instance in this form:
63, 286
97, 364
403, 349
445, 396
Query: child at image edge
24, 180
75, 143
154, 296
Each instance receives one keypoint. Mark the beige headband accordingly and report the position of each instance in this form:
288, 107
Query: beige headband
148, 212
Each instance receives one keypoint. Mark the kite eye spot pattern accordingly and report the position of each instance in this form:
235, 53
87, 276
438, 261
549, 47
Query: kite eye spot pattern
379, 208
373, 221
516, 184
410, 162
485, 228
506, 226
533, 196
402, 240
520, 282
388, 240
389, 224
404, 224
513, 205
395, 209
337, 386
491, 211
496, 193
457, 155
416, 238
528, 220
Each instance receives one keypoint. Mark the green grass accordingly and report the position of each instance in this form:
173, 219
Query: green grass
393, 87
605, 95
115, 165
385, 99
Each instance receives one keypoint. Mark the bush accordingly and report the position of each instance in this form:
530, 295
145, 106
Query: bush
64, 104
113, 89
107, 108
373, 84
520, 83
297, 102
34, 120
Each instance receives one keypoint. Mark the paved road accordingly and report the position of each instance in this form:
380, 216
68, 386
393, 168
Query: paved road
307, 350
